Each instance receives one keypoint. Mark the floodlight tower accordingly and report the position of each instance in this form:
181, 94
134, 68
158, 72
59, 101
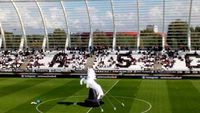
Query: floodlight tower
114, 25
68, 38
90, 25
45, 43
189, 23
2, 38
163, 28
138, 25
23, 38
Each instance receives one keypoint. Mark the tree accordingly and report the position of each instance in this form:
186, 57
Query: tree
57, 39
126, 39
177, 34
195, 37
101, 38
150, 39
79, 39
12, 40
35, 41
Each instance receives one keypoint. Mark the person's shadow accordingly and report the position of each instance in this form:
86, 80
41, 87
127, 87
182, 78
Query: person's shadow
83, 104
66, 103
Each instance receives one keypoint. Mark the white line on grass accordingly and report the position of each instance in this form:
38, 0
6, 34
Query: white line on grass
150, 106
37, 107
141, 100
105, 93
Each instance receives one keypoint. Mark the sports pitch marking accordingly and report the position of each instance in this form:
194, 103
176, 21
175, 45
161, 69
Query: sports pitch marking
137, 99
141, 100
37, 107
105, 93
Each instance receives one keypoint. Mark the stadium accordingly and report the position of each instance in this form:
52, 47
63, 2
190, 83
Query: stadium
144, 53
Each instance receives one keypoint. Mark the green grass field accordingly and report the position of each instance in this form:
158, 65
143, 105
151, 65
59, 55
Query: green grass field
63, 96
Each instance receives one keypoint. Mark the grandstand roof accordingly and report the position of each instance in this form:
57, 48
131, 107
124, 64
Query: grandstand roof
31, 17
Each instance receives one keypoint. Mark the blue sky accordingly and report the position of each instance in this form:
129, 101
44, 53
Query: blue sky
100, 12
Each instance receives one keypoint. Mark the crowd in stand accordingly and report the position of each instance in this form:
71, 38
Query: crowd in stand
34, 59
105, 58
141, 60
73, 60
10, 60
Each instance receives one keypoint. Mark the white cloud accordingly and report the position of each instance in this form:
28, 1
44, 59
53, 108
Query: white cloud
155, 12
3, 14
